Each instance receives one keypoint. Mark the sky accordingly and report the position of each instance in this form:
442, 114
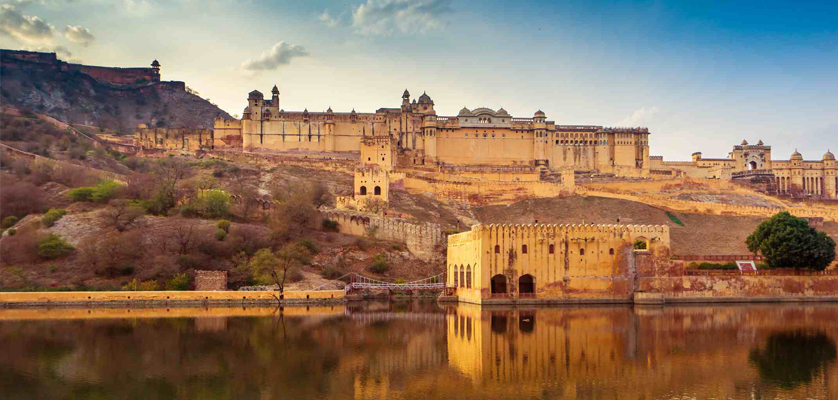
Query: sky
702, 76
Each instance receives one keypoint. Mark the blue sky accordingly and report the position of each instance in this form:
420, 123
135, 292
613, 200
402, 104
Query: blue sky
702, 76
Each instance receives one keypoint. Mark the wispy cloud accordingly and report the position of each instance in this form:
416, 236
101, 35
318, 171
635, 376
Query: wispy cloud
328, 20
78, 34
640, 117
24, 28
384, 17
280, 54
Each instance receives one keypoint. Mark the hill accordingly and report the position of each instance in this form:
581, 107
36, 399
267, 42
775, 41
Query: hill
96, 96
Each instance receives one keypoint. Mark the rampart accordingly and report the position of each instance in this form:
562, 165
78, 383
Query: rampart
478, 191
338, 164
164, 298
421, 239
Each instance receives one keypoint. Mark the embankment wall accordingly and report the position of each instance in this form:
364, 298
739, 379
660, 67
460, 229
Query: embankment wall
739, 288
12, 299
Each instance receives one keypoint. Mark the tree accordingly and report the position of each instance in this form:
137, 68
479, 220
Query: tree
245, 185
122, 215
788, 241
167, 174
279, 267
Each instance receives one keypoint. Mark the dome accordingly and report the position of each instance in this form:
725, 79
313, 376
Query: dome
255, 95
329, 110
760, 143
744, 142
155, 64
353, 111
829, 156
406, 94
483, 110
539, 114
502, 113
275, 90
465, 112
425, 99
796, 155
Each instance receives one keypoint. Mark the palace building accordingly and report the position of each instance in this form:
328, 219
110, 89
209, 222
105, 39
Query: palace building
795, 177
474, 137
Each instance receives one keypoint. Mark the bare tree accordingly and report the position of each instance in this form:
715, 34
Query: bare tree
122, 215
167, 174
245, 185
184, 234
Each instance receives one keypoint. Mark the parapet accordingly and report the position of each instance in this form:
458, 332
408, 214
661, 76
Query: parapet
556, 228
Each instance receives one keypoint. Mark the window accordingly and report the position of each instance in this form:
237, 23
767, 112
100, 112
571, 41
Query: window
552, 248
363, 190
524, 249
497, 249
581, 252
611, 251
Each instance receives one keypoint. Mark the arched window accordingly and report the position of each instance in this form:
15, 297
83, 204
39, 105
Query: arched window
526, 284
468, 276
462, 276
552, 248
497, 249
611, 251
363, 190
456, 276
524, 249
377, 191
581, 252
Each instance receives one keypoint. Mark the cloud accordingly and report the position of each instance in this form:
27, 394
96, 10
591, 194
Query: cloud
328, 20
640, 117
280, 54
383, 17
25, 28
77, 34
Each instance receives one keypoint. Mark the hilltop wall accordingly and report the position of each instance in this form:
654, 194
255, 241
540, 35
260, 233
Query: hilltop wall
421, 239
481, 192
36, 159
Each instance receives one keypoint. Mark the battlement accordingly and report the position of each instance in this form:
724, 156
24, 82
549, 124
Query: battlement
570, 228
621, 129
108, 75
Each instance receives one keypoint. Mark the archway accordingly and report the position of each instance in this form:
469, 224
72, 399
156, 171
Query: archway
752, 165
363, 190
498, 284
377, 191
526, 284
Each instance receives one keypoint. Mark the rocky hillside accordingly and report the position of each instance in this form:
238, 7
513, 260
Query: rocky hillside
77, 98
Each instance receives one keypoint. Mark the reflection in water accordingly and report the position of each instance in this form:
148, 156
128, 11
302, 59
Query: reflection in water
794, 358
422, 351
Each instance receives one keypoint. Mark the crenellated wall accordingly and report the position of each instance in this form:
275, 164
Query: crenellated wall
421, 239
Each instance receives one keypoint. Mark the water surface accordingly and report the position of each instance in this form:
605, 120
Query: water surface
422, 351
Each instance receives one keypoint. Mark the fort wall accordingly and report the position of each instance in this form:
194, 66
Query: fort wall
483, 192
36, 159
421, 239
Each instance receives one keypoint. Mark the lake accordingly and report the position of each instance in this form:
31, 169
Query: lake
422, 351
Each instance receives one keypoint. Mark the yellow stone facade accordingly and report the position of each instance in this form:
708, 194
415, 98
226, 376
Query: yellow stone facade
550, 261
478, 137
183, 139
796, 177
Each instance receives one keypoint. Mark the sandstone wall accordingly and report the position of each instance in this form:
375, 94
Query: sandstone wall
421, 239
483, 192
747, 287
210, 280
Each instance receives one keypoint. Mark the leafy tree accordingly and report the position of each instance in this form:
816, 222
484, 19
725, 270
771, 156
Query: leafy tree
267, 266
787, 241
122, 214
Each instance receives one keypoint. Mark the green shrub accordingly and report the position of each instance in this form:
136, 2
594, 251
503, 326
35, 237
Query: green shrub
11, 231
179, 282
146, 286
400, 281
220, 234
9, 221
52, 216
217, 205
379, 264
224, 225
308, 244
53, 268
104, 191
640, 244
81, 194
708, 265
329, 225
190, 210
53, 246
